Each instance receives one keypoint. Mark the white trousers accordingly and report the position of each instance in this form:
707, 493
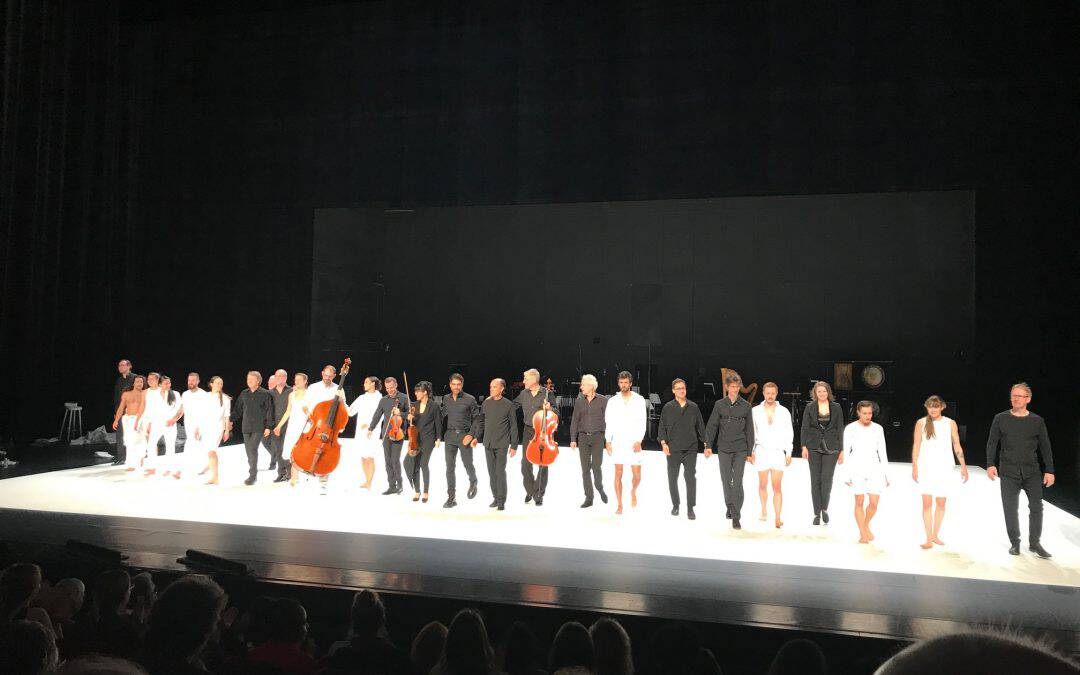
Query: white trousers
159, 430
134, 442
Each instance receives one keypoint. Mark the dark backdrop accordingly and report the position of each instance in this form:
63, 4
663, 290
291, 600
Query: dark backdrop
161, 162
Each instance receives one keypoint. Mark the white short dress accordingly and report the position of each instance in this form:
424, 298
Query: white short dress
363, 407
298, 420
865, 458
937, 470
772, 438
624, 425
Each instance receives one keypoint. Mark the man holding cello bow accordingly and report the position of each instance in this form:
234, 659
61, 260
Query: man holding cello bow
531, 400
394, 404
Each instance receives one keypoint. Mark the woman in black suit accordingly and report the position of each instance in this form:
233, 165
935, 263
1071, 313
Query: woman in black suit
822, 444
427, 417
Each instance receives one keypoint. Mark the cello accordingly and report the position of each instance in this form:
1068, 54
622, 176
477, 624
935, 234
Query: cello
318, 450
543, 449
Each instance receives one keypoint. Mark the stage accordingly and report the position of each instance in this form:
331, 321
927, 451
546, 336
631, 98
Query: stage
644, 561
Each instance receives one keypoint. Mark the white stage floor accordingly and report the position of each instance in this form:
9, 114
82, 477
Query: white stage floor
974, 532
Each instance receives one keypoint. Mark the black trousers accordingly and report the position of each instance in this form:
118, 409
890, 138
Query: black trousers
591, 454
416, 468
822, 467
496, 466
1010, 503
732, 467
535, 486
392, 458
251, 446
687, 459
277, 449
121, 449
451, 451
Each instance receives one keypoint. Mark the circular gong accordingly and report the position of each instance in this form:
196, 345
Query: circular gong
873, 376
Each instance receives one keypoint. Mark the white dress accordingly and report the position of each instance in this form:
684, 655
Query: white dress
298, 419
772, 440
865, 459
363, 407
159, 411
215, 421
624, 425
936, 467
194, 403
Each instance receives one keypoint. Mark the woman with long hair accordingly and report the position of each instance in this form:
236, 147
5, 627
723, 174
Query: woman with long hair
363, 407
468, 650
427, 417
216, 426
822, 440
937, 440
294, 420
163, 426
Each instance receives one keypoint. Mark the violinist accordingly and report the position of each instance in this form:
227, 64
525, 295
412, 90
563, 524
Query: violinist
532, 398
496, 428
426, 417
396, 404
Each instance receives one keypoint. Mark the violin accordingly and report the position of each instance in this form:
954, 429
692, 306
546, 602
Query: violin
394, 425
318, 451
543, 449
414, 432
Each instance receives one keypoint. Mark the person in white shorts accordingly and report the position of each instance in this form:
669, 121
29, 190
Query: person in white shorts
864, 460
624, 422
937, 440
363, 407
773, 436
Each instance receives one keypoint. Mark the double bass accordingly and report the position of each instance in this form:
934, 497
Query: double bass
543, 449
318, 450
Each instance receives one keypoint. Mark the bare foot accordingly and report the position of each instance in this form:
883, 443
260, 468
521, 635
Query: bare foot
618, 511
864, 540
763, 517
203, 472
779, 524
927, 545
633, 500
149, 472
870, 535
130, 468
175, 475
366, 486
938, 541
212, 481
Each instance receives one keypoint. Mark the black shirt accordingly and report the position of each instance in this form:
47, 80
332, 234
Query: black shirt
429, 424
731, 427
382, 412
529, 404
681, 426
255, 409
588, 417
1019, 446
459, 412
496, 425
122, 385
281, 402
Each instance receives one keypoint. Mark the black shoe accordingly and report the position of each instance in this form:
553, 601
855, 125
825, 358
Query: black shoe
273, 466
117, 462
817, 520
728, 516
450, 502
603, 496
502, 507
825, 516
586, 504
250, 480
528, 498
493, 504
389, 491
472, 490
675, 510
398, 490
281, 479
735, 524
690, 514
1038, 550
1014, 549
539, 501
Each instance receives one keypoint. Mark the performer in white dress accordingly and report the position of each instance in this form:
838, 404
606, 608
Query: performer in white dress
294, 420
936, 441
163, 426
363, 407
864, 461
624, 428
773, 436
193, 411
215, 426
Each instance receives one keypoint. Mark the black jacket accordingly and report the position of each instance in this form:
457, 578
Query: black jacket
827, 439
254, 410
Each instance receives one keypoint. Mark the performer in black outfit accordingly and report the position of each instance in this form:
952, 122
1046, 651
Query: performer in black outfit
125, 382
531, 399
426, 416
255, 410
497, 426
279, 394
1018, 451
391, 449
459, 410
681, 432
731, 432
822, 440
587, 427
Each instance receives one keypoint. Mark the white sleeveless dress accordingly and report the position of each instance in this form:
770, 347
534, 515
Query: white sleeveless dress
937, 475
297, 421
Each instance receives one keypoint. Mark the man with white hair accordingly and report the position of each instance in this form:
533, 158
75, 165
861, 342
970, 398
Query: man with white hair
279, 395
625, 417
532, 400
587, 435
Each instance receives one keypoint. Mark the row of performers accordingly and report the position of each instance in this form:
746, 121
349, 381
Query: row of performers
1018, 449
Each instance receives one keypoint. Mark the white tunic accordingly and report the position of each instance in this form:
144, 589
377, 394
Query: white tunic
363, 408
215, 419
194, 404
936, 467
772, 440
865, 459
298, 418
624, 423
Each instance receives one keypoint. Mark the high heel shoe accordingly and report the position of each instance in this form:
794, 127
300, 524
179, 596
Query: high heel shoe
416, 497
424, 498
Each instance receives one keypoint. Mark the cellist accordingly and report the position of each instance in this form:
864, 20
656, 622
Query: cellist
532, 399
395, 403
